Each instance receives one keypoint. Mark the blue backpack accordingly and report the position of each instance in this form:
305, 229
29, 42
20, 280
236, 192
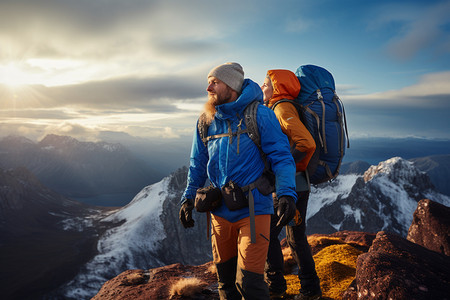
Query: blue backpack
322, 113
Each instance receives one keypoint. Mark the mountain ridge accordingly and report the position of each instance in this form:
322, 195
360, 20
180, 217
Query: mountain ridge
79, 169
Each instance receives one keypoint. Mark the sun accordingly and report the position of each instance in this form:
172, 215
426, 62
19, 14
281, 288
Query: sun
12, 75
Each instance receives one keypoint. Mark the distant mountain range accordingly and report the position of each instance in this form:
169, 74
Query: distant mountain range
80, 169
111, 174
376, 149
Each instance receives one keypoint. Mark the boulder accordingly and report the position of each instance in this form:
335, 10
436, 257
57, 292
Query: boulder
395, 268
431, 226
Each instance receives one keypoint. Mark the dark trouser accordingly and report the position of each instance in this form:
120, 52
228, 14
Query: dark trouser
226, 275
236, 283
301, 251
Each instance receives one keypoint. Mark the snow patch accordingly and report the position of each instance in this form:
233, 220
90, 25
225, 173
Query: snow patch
324, 195
355, 213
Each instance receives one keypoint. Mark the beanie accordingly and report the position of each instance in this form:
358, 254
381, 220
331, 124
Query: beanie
231, 74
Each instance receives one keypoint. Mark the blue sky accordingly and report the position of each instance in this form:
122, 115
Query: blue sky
87, 68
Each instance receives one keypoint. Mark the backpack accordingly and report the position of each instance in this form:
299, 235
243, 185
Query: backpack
322, 113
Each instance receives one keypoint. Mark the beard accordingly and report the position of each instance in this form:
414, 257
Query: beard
213, 100
209, 110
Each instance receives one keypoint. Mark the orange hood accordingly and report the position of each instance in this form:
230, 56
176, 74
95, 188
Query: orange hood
285, 85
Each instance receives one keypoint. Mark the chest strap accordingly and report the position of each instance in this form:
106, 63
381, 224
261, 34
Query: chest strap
229, 134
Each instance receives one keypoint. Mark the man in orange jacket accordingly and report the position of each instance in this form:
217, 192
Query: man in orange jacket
279, 85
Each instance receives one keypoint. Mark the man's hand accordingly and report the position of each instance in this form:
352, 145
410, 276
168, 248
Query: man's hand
186, 214
286, 210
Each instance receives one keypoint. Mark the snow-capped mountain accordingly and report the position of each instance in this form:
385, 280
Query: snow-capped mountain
149, 235
384, 198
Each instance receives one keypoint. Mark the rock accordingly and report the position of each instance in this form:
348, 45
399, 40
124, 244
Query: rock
431, 226
395, 268
157, 283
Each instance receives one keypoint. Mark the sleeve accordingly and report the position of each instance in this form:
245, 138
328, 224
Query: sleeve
299, 137
275, 145
197, 173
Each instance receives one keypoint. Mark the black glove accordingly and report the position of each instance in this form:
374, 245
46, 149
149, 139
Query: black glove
286, 210
186, 214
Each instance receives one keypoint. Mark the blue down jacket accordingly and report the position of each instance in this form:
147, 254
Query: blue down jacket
222, 161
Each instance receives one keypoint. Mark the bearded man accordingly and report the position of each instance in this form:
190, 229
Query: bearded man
229, 157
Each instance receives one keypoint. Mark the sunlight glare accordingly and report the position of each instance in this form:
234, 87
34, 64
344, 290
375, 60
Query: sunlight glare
12, 75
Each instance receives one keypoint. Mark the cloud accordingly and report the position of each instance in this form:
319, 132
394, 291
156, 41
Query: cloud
417, 110
432, 90
156, 94
416, 28
99, 31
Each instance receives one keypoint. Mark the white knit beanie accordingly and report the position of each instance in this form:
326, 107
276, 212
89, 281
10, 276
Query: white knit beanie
231, 74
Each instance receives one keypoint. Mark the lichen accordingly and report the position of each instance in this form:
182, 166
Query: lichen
336, 268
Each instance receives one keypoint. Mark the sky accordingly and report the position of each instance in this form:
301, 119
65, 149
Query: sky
93, 68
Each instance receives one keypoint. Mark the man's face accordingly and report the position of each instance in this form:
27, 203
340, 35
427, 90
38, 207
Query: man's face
267, 89
218, 92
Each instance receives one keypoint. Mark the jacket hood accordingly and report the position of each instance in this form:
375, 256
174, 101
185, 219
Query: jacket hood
285, 85
250, 91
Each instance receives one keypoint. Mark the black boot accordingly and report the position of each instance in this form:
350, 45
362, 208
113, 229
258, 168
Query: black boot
226, 275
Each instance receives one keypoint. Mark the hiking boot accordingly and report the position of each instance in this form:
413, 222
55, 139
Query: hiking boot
279, 295
309, 296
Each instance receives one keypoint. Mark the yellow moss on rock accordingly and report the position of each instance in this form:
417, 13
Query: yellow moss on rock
336, 268
293, 284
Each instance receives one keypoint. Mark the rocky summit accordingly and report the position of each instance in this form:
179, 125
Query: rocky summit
351, 265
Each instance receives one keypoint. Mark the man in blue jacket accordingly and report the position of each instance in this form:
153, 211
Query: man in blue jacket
229, 157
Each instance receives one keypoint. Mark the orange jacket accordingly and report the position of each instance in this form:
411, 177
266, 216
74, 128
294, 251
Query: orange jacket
286, 86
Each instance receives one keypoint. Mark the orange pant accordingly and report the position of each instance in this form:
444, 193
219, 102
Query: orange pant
233, 239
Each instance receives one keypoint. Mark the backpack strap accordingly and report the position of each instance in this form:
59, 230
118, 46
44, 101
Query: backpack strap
324, 138
301, 108
344, 133
253, 132
337, 100
202, 127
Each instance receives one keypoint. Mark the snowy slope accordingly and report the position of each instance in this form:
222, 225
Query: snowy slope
132, 245
384, 198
